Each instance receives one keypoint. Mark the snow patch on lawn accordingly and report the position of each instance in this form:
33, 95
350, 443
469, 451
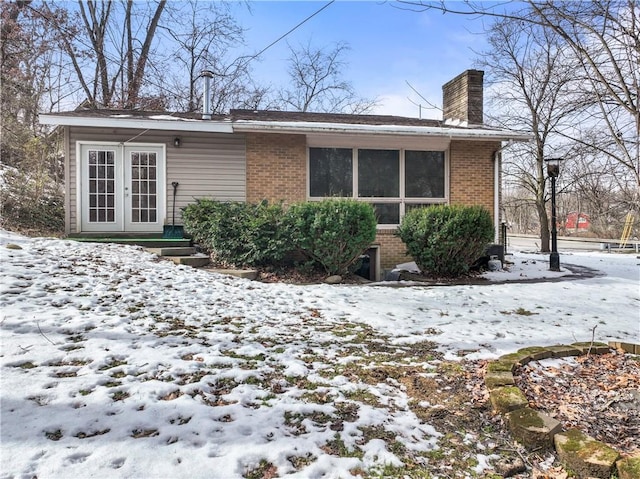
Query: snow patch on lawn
117, 364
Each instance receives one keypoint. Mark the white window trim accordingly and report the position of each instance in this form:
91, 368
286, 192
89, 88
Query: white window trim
401, 200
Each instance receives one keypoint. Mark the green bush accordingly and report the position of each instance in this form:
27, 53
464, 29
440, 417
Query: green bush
333, 233
239, 234
445, 241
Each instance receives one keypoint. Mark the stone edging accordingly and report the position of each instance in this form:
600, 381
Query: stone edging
582, 454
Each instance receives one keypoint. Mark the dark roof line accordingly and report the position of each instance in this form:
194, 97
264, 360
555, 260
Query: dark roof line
260, 115
276, 115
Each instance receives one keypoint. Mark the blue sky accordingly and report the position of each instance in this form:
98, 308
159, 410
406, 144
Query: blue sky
389, 46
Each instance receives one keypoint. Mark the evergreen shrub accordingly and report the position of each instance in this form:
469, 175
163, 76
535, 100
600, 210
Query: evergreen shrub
239, 234
333, 233
445, 241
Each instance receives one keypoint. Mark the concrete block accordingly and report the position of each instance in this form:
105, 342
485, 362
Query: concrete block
585, 456
532, 428
629, 467
501, 366
173, 251
195, 261
535, 353
563, 351
519, 359
238, 273
595, 348
507, 398
498, 379
630, 348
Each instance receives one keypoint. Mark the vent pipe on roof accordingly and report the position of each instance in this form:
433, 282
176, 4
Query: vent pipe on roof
206, 95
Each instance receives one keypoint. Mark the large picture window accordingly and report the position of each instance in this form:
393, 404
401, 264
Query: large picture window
393, 181
330, 172
378, 173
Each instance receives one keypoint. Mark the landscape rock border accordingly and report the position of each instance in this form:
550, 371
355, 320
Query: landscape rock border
582, 454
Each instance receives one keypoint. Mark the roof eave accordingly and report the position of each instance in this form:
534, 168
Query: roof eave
242, 126
299, 127
179, 124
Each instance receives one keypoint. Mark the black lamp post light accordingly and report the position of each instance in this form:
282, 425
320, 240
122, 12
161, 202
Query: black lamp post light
553, 170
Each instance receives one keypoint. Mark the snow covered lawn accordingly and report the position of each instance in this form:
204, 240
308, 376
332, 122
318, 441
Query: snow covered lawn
117, 364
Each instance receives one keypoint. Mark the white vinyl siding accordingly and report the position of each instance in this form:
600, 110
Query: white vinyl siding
206, 165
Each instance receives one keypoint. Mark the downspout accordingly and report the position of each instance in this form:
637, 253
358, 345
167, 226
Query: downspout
496, 190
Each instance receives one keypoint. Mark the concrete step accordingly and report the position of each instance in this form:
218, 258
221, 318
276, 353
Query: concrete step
174, 251
238, 273
144, 242
196, 260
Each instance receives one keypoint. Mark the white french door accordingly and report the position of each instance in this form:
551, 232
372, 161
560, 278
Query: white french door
122, 188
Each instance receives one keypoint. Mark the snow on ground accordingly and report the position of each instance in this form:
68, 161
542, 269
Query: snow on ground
116, 364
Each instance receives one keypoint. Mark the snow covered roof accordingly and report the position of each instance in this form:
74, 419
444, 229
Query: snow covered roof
280, 121
152, 120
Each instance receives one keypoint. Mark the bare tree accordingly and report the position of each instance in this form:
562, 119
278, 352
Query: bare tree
31, 193
532, 84
318, 84
202, 34
109, 46
25, 69
604, 38
604, 35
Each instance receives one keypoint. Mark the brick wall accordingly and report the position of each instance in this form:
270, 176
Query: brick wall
276, 170
472, 173
276, 167
392, 249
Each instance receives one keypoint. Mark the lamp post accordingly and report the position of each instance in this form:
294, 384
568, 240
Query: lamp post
553, 170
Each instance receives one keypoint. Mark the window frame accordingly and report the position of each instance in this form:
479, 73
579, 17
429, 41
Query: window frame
402, 200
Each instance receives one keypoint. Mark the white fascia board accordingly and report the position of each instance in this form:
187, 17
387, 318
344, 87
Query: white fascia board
242, 126
125, 121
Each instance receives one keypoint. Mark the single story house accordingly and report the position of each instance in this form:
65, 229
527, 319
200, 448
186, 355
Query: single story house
120, 166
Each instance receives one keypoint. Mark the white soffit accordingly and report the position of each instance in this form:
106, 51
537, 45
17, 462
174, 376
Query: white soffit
350, 140
162, 122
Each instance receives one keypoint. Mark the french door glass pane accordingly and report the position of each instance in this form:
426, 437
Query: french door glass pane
424, 174
143, 187
330, 172
379, 173
101, 173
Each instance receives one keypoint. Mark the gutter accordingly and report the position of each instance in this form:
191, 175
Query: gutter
242, 126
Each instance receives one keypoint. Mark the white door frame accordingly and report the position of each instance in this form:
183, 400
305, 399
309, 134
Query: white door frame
118, 209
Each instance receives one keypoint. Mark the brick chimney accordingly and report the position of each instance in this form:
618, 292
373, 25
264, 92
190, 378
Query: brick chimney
462, 98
